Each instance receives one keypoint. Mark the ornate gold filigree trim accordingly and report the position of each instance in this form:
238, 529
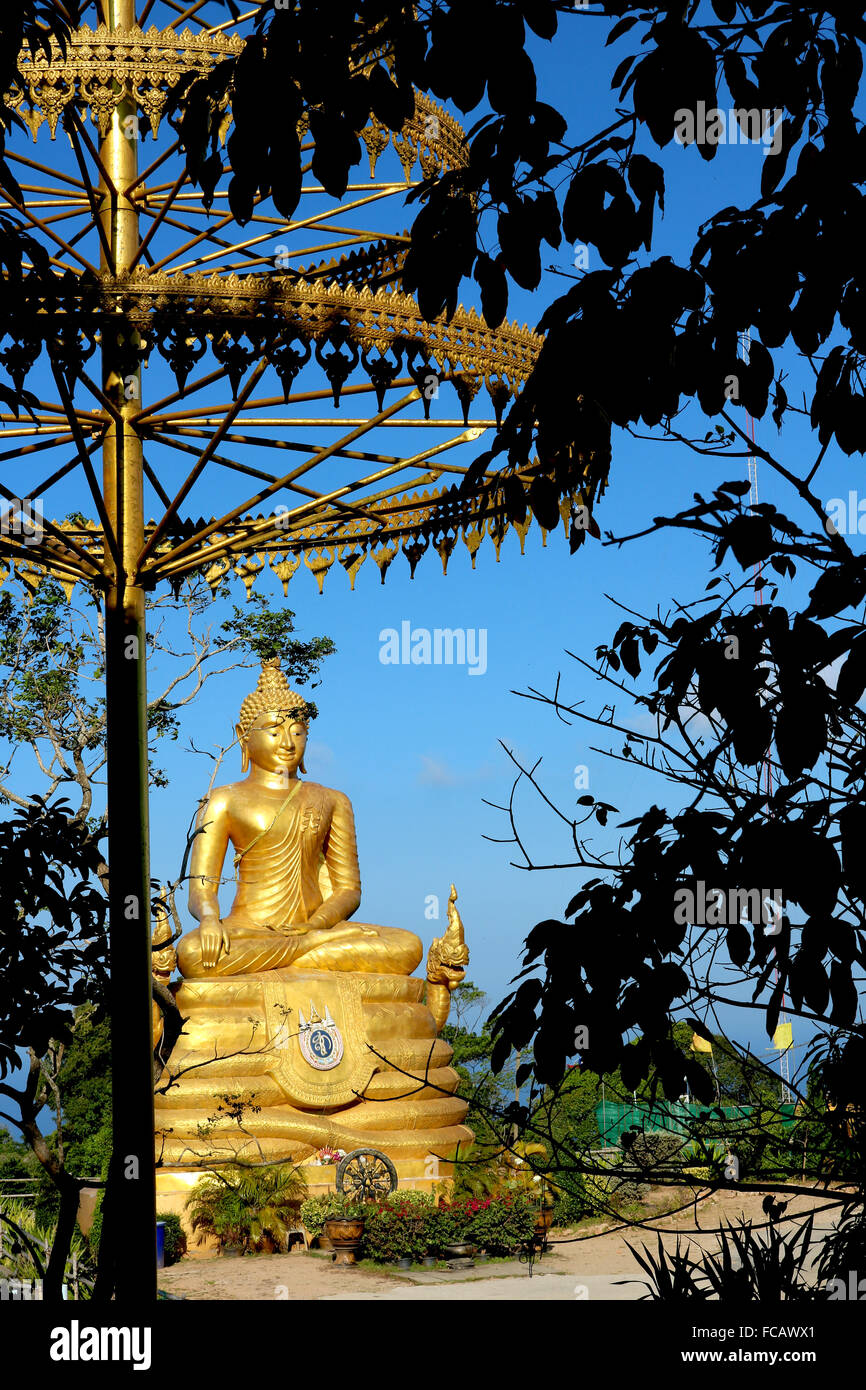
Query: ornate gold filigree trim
410, 524
104, 67
312, 309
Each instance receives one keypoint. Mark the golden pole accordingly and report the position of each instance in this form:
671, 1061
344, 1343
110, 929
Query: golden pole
130, 1221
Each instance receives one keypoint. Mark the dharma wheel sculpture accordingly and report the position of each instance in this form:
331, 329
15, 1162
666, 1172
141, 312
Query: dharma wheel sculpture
223, 399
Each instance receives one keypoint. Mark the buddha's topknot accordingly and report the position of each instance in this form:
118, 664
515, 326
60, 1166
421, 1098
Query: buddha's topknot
273, 693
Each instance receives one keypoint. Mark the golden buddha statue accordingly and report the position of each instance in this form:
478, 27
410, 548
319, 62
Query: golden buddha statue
291, 840
302, 1028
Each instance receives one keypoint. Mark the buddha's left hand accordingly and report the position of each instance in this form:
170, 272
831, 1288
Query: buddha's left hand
295, 929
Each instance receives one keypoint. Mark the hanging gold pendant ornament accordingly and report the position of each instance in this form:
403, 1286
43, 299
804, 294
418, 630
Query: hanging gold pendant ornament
261, 308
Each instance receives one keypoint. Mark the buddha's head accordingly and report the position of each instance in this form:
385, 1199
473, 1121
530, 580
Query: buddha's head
273, 726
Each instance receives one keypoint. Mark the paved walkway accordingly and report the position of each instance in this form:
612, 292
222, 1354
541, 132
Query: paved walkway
512, 1288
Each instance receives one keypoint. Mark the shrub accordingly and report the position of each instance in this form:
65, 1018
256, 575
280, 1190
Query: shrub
625, 1192
571, 1202
615, 1189
250, 1207
479, 1175
444, 1226
654, 1150
397, 1227
315, 1211
501, 1225
413, 1224
750, 1267
23, 1228
175, 1236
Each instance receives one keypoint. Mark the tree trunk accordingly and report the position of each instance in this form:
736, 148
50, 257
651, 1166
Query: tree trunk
103, 1287
52, 1284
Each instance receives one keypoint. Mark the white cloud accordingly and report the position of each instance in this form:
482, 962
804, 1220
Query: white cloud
319, 754
435, 773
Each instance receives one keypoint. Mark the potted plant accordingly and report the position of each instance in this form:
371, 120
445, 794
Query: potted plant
345, 1229
459, 1250
501, 1225
317, 1211
403, 1225
453, 1230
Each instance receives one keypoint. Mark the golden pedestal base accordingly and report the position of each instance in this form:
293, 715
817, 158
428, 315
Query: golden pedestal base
245, 1082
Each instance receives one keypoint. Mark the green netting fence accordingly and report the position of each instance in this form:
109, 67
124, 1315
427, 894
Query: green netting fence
677, 1117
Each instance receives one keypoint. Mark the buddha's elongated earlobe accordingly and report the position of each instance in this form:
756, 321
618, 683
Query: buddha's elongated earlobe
245, 757
301, 767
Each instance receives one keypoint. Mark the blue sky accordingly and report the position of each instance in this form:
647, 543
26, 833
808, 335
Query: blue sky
417, 748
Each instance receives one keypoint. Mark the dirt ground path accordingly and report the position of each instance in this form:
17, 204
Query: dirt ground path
591, 1253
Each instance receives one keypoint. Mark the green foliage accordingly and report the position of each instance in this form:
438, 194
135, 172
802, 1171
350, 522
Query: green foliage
766, 1146
53, 911
94, 1235
28, 1241
52, 656
467, 1007
571, 1204
750, 1267
479, 1176
500, 1225
85, 1091
175, 1236
415, 1224
403, 1224
46, 664
249, 1207
564, 1115
473, 1046
264, 632
614, 1192
315, 1211
653, 1152
84, 1084
18, 1164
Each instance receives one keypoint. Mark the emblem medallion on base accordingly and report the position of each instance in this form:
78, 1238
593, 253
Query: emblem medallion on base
320, 1040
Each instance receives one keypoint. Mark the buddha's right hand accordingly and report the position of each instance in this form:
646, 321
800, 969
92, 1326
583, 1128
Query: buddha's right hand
213, 938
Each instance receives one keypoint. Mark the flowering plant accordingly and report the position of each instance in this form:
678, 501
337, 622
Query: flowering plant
499, 1224
414, 1224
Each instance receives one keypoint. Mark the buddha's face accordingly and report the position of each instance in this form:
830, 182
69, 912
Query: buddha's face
276, 744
